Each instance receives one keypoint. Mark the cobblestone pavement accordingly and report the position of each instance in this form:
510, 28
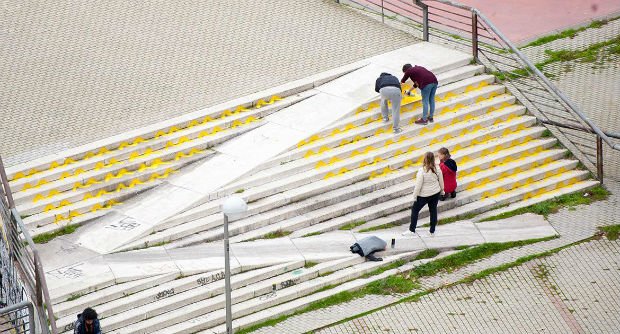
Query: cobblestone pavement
75, 72
572, 225
594, 86
574, 291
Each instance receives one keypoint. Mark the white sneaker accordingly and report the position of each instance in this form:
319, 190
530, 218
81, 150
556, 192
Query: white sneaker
398, 130
432, 234
386, 121
408, 234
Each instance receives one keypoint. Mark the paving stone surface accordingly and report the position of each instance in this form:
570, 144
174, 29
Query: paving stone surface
75, 72
574, 291
572, 224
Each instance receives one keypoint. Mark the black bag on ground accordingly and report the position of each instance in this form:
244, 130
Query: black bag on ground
367, 246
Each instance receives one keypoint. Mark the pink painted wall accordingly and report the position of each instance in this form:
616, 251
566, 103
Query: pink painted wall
523, 20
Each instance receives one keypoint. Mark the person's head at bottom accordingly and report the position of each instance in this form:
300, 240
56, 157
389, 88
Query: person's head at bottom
89, 316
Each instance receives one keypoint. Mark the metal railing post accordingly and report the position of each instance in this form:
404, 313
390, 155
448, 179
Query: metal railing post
599, 158
424, 7
37, 282
45, 294
382, 13
5, 184
474, 35
31, 325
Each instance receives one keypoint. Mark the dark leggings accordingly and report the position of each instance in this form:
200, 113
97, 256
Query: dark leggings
418, 205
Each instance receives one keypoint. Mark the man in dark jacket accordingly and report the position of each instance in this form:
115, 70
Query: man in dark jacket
389, 87
427, 82
87, 323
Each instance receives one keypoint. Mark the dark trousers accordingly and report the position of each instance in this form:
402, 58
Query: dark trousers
418, 205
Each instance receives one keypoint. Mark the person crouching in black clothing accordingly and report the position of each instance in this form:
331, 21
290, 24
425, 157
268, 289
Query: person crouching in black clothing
87, 323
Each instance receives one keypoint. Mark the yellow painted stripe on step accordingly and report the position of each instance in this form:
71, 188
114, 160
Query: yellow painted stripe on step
206, 120
275, 98
383, 173
193, 123
408, 163
480, 99
35, 185
240, 109
308, 154
369, 120
403, 138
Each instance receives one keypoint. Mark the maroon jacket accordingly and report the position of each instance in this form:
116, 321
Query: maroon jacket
420, 75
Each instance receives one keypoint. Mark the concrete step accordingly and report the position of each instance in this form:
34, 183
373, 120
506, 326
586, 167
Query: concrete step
180, 309
69, 308
205, 127
177, 293
300, 303
210, 208
540, 197
291, 197
406, 149
206, 317
372, 138
365, 124
364, 155
404, 202
368, 191
223, 116
126, 178
566, 183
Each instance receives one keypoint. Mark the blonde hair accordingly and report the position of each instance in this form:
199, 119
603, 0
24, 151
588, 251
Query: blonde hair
429, 162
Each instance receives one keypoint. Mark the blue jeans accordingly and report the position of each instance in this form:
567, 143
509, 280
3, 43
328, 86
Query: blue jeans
428, 98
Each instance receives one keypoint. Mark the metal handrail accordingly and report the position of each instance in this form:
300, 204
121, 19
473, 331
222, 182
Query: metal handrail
525, 62
27, 260
490, 47
19, 306
542, 77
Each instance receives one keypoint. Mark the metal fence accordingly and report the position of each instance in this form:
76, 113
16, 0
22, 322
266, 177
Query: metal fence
22, 279
17, 318
466, 28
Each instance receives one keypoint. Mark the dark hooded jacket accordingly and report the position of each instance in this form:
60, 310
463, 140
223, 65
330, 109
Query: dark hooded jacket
386, 80
80, 326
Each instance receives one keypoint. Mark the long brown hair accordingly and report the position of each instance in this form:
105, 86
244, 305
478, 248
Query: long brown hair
429, 162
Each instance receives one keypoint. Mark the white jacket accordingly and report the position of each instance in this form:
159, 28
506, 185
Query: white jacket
428, 183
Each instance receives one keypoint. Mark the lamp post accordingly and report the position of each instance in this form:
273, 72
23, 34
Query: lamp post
232, 206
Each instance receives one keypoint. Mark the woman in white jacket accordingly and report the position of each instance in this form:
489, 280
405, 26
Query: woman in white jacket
428, 188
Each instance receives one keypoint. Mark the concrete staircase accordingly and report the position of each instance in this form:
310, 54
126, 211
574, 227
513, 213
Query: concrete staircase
83, 183
358, 171
353, 174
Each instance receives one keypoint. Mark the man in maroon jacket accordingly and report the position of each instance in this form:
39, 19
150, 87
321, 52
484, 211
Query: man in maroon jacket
427, 82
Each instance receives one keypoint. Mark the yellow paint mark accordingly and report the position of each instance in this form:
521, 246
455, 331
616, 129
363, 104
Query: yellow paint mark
323, 149
240, 109
207, 119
